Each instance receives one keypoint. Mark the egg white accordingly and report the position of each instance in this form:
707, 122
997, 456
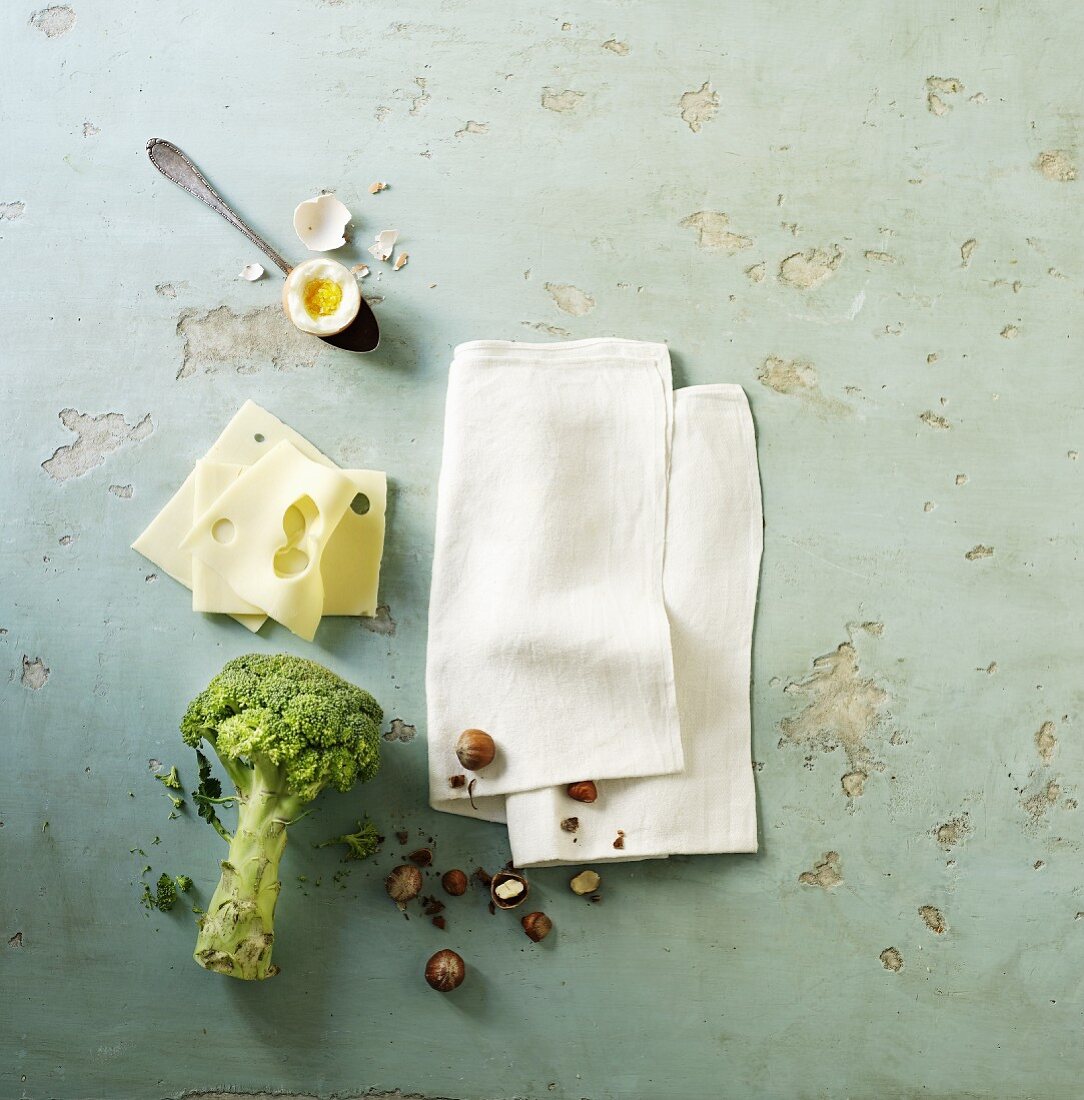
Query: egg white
293, 296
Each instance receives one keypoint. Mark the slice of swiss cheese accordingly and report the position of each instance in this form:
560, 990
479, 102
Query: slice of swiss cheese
351, 563
265, 534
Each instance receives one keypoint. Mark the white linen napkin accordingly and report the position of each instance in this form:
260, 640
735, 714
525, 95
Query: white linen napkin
547, 626
713, 547
559, 522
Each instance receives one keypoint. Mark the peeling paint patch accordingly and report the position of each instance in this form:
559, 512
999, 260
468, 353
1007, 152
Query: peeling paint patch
827, 872
614, 46
891, 959
123, 491
564, 103
932, 420
712, 234
420, 98
400, 731
381, 622
806, 270
1046, 742
937, 87
953, 832
933, 918
845, 710
880, 257
796, 378
1056, 165
1038, 803
97, 435
219, 339
53, 21
853, 784
699, 106
967, 250
12, 211
756, 272
570, 299
35, 674
549, 330
978, 552
472, 127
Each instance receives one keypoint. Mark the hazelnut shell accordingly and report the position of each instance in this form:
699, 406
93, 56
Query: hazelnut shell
455, 882
475, 749
537, 926
445, 971
502, 877
585, 791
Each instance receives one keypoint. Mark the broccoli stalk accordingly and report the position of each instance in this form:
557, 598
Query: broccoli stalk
284, 728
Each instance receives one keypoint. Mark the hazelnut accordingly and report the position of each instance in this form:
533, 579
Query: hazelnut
586, 882
584, 791
508, 889
404, 884
537, 926
445, 971
454, 883
422, 857
475, 749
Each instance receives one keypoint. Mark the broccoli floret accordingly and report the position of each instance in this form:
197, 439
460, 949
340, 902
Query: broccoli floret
164, 895
184, 883
284, 728
360, 845
173, 780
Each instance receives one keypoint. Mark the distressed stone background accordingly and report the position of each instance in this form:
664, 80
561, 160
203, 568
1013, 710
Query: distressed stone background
867, 214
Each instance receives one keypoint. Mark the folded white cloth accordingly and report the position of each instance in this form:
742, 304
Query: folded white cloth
548, 622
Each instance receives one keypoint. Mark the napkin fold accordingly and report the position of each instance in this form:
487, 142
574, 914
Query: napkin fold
594, 578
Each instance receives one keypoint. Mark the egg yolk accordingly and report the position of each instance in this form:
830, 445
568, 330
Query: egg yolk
322, 297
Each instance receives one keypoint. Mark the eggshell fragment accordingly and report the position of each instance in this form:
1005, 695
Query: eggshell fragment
251, 272
360, 270
376, 188
401, 260
320, 222
385, 242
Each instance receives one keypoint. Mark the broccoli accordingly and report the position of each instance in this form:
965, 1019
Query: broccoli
284, 728
164, 896
361, 844
172, 780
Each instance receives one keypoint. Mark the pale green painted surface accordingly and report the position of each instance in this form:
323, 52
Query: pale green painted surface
694, 978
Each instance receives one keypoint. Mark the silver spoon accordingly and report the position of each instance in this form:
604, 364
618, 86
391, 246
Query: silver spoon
361, 335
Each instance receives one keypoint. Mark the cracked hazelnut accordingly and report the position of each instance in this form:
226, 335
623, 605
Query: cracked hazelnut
584, 791
475, 749
422, 857
586, 882
445, 971
508, 889
404, 884
537, 926
454, 882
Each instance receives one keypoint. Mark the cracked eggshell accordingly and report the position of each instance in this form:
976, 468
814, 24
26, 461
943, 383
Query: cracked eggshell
251, 272
321, 222
385, 242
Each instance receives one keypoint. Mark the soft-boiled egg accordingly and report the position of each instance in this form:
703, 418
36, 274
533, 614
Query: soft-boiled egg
321, 296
